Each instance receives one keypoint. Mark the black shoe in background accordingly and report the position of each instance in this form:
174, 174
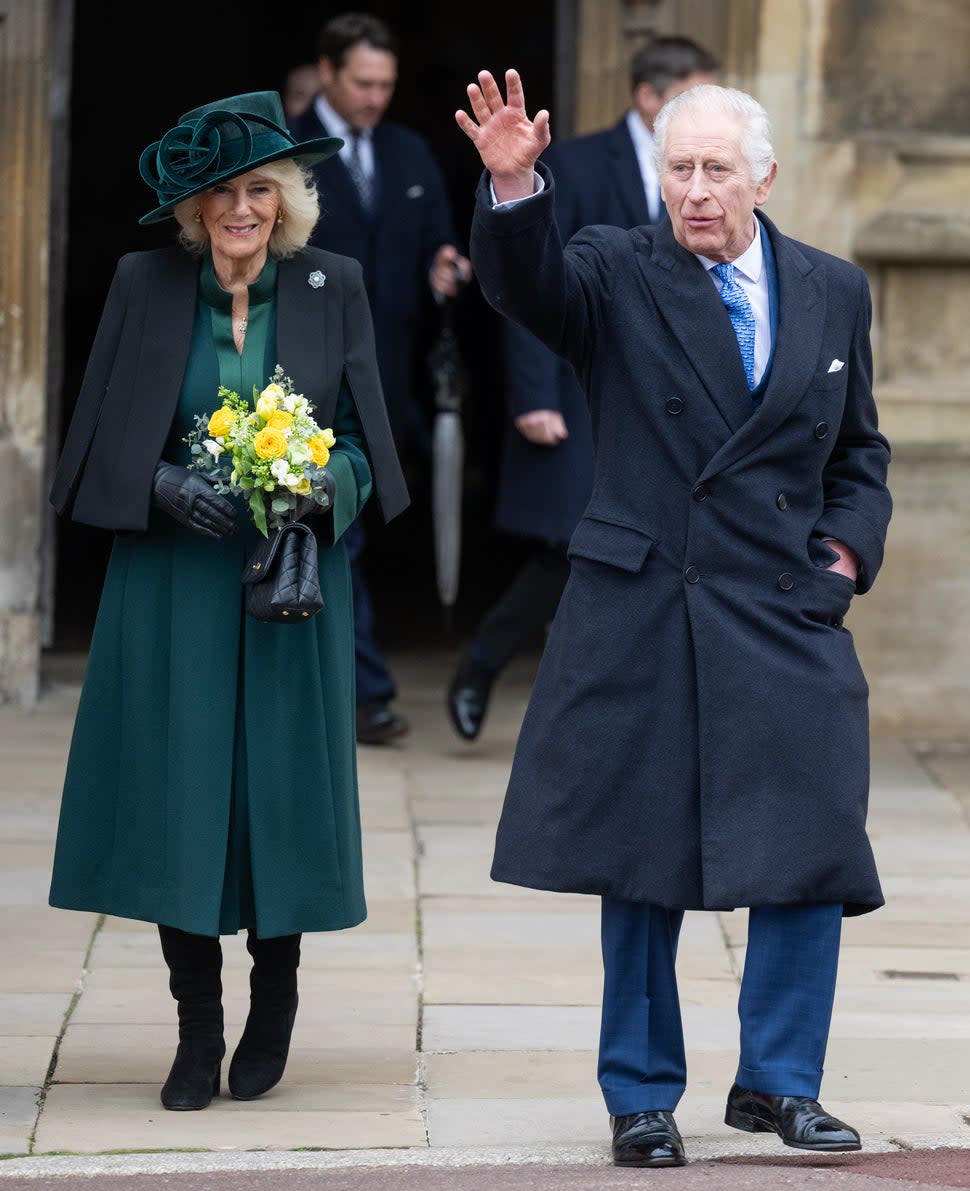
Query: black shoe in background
467, 698
377, 723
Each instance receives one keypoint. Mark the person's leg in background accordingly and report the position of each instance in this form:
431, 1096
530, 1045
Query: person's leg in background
376, 721
785, 1009
520, 614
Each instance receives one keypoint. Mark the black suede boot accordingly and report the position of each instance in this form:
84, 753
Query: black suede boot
195, 980
260, 1057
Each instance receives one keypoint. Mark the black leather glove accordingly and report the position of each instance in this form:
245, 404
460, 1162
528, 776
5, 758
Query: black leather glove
190, 499
306, 506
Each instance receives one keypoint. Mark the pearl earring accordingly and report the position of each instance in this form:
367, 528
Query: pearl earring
198, 215
279, 215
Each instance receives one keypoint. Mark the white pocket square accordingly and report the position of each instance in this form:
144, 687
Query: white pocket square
836, 365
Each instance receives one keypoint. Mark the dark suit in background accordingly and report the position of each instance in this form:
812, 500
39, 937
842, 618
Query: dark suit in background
400, 228
543, 486
395, 243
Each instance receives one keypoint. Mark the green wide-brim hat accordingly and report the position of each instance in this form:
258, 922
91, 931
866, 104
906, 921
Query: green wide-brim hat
219, 141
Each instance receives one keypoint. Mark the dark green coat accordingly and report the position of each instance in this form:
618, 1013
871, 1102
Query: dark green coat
211, 783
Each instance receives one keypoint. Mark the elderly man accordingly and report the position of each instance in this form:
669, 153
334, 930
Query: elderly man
697, 736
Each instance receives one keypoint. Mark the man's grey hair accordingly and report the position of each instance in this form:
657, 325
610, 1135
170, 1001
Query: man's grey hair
756, 134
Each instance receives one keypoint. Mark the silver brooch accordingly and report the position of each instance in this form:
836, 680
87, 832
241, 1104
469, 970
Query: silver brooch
316, 278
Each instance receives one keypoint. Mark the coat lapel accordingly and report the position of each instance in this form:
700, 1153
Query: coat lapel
801, 322
169, 319
302, 323
337, 189
688, 301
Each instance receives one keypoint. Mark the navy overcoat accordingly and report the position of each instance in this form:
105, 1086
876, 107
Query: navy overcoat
543, 490
697, 735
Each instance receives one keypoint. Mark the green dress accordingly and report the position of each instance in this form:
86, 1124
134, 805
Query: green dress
211, 782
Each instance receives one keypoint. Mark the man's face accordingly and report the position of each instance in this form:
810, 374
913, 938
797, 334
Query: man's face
707, 186
362, 88
648, 102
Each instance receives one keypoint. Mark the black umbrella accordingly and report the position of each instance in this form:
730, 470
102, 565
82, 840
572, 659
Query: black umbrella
447, 458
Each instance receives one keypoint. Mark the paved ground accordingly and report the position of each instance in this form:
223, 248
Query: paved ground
450, 1040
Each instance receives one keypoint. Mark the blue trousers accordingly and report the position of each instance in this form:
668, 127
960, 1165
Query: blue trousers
785, 1004
374, 681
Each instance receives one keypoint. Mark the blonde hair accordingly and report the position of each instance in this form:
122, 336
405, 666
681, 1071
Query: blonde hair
299, 202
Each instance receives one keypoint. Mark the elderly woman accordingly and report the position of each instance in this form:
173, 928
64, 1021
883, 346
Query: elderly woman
211, 785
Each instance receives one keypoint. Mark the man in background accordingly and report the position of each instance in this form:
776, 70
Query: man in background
299, 88
546, 469
384, 203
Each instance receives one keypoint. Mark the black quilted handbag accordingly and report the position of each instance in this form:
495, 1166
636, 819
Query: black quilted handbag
281, 578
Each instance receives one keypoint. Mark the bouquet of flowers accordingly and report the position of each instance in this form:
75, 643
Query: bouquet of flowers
273, 453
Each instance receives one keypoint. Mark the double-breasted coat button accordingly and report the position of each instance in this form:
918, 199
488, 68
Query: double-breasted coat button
785, 581
821, 429
781, 500
692, 574
700, 492
674, 405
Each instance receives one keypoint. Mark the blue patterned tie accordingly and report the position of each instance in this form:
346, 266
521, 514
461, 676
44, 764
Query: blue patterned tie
741, 314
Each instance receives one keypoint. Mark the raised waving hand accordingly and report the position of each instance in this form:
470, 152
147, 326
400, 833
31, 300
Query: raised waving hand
508, 142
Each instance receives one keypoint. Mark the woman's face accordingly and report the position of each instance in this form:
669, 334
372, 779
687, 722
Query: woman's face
240, 215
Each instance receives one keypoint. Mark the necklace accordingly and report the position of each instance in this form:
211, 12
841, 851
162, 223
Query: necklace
242, 325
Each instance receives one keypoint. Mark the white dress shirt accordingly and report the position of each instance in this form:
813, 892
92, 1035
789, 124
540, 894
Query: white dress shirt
337, 126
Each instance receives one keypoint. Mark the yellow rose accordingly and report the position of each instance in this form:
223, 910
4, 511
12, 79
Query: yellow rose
328, 437
269, 443
303, 488
221, 422
319, 449
279, 419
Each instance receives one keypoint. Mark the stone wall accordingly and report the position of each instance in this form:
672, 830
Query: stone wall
24, 167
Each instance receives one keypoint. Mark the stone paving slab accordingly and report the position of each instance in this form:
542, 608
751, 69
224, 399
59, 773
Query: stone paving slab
75, 1121
461, 1019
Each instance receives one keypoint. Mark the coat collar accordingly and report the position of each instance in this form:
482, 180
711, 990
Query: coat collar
686, 298
302, 321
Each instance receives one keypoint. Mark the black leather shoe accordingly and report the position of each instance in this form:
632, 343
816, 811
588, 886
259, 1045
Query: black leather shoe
468, 697
377, 724
798, 1120
647, 1139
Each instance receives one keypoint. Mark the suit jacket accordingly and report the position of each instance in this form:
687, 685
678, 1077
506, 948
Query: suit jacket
543, 490
131, 385
395, 244
697, 735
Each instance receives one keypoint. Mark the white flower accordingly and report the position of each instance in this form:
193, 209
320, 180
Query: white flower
214, 448
280, 469
299, 452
